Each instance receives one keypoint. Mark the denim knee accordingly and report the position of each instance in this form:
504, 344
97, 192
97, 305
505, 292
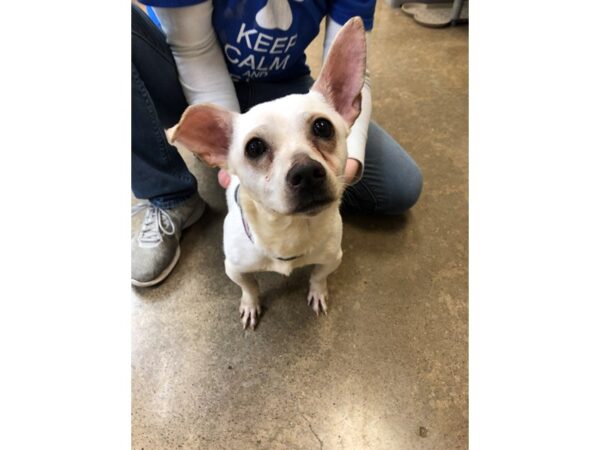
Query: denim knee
402, 193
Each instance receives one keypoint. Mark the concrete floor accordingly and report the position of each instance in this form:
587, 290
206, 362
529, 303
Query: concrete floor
387, 368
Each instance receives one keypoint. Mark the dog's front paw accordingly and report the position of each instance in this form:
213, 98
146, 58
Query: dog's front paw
316, 300
249, 313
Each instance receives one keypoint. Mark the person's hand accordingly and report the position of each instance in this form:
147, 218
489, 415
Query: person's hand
224, 178
351, 170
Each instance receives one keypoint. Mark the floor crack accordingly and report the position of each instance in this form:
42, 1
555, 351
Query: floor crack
313, 431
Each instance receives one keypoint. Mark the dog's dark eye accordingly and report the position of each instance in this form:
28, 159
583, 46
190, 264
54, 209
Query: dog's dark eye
322, 128
255, 147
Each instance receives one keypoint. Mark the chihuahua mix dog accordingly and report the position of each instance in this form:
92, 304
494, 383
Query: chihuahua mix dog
286, 159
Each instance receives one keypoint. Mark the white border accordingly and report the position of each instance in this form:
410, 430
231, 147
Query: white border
534, 225
65, 317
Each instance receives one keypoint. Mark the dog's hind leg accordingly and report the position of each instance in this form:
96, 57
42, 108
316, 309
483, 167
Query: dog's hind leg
317, 294
249, 304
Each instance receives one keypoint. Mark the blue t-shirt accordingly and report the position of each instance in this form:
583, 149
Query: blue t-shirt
265, 40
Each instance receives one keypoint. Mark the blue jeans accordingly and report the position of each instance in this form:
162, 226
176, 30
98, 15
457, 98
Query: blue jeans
391, 181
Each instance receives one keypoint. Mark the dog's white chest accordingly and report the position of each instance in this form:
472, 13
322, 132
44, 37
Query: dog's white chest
294, 244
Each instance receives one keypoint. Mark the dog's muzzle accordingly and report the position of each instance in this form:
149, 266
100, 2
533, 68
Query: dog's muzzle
307, 184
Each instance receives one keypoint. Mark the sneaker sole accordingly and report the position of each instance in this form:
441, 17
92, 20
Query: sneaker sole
165, 273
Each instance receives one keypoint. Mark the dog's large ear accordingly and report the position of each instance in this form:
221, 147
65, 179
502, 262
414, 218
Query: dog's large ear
343, 73
205, 130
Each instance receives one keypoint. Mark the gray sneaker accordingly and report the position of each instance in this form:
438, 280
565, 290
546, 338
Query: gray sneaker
155, 250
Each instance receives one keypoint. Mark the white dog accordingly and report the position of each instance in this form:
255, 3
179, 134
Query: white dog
287, 160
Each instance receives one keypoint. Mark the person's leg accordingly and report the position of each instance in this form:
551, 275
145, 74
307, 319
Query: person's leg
159, 174
391, 181
157, 102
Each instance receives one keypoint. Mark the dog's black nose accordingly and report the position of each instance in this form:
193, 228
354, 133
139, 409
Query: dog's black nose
306, 175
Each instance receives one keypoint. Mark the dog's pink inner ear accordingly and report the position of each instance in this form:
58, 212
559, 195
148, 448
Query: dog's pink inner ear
205, 130
343, 73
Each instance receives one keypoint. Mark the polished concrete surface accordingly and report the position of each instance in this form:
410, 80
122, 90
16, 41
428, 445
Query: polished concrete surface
387, 368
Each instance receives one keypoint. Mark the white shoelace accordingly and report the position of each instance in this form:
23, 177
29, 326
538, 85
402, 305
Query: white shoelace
156, 223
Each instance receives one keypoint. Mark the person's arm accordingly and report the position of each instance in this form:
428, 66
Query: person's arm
202, 69
358, 133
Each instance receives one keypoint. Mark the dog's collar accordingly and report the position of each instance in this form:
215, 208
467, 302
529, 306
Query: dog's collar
247, 227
